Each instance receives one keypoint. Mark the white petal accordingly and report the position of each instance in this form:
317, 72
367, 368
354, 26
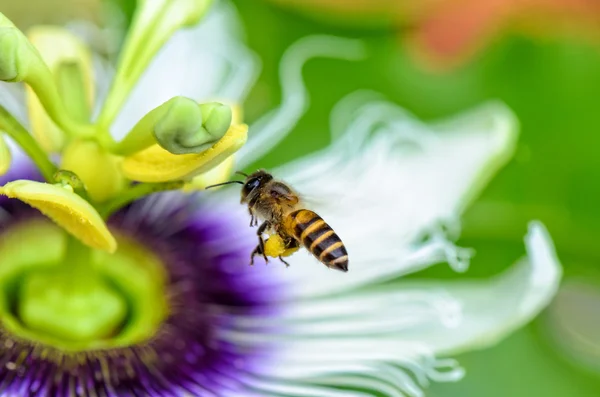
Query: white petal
388, 180
206, 62
493, 309
387, 338
273, 127
382, 183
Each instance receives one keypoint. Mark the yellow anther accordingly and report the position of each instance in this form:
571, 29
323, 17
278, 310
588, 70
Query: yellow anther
66, 208
155, 164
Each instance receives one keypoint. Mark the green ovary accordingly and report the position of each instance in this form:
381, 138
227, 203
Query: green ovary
51, 302
75, 299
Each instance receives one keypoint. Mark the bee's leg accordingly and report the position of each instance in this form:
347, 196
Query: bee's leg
286, 264
261, 229
258, 250
253, 220
290, 243
261, 251
261, 243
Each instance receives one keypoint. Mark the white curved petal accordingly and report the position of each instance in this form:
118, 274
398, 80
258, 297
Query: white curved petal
388, 180
273, 127
388, 338
493, 309
206, 62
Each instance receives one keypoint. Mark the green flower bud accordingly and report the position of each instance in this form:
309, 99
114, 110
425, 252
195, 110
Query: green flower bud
21, 61
186, 127
180, 130
216, 118
154, 22
18, 58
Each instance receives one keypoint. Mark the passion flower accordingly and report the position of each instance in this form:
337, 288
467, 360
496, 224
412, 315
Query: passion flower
114, 281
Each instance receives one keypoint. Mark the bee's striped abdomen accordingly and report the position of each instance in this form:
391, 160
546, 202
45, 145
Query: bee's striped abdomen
319, 239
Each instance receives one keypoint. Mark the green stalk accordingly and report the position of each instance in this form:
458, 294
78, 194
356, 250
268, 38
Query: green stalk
136, 192
16, 131
153, 24
71, 88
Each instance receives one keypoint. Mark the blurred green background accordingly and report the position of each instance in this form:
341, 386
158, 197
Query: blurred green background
552, 83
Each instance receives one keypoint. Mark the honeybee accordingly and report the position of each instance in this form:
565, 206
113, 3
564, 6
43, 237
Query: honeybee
287, 223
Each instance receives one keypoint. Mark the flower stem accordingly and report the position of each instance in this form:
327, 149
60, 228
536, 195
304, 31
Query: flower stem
17, 132
71, 87
136, 192
77, 258
45, 88
153, 24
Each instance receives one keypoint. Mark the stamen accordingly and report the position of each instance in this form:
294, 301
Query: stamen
180, 126
153, 24
66, 208
70, 64
20, 61
158, 165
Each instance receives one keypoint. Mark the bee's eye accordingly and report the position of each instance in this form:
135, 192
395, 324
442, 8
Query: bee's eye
252, 183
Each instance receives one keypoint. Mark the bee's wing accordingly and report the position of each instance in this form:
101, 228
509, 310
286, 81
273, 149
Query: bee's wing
320, 203
309, 201
283, 194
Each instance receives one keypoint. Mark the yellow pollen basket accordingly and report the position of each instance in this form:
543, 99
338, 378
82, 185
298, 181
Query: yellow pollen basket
275, 247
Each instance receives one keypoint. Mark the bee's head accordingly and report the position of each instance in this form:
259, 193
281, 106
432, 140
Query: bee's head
251, 185
254, 181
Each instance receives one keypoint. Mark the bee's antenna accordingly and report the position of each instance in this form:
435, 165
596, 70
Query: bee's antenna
241, 173
224, 183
